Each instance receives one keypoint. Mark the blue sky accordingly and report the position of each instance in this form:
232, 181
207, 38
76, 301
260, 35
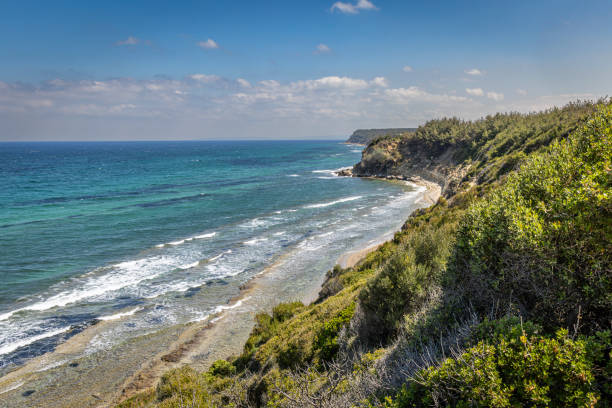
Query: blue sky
110, 70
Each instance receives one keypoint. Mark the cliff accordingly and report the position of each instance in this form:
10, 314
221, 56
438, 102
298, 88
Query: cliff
406, 158
365, 136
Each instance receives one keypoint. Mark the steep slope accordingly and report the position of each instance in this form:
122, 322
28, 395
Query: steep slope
470, 304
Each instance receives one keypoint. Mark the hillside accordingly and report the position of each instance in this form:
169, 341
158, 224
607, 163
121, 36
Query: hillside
500, 294
365, 136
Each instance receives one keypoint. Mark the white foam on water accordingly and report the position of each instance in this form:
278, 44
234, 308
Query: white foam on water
293, 175
120, 315
342, 200
254, 223
221, 308
276, 234
209, 235
189, 266
255, 241
7, 348
120, 275
214, 258
182, 241
332, 171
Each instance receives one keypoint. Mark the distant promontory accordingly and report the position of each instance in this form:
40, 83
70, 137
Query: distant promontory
365, 136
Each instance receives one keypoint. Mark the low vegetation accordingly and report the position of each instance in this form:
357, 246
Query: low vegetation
498, 295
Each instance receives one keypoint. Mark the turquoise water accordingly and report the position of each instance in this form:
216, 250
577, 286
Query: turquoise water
96, 231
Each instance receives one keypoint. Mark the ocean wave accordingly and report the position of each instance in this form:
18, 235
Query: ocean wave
189, 266
254, 223
8, 348
119, 315
331, 171
214, 258
342, 200
119, 276
255, 241
182, 241
293, 175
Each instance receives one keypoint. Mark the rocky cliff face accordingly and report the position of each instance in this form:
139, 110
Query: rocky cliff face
404, 158
365, 136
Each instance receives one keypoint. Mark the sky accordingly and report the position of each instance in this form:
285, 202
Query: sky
316, 69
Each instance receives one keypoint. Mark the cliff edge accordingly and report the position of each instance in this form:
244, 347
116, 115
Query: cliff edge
365, 136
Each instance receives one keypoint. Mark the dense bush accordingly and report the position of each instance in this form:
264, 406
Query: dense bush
404, 281
326, 340
516, 369
542, 241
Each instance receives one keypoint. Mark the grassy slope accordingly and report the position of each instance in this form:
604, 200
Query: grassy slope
533, 243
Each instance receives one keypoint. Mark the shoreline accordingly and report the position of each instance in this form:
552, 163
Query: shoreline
349, 259
197, 344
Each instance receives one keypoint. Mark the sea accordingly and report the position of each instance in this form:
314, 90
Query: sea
155, 234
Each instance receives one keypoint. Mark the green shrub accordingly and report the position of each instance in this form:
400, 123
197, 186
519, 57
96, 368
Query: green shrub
542, 240
222, 368
516, 370
404, 281
326, 340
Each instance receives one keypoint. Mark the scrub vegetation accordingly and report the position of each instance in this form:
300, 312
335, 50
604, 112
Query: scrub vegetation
499, 295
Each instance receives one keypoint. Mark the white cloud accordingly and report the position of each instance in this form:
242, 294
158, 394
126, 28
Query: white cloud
380, 81
473, 72
322, 49
521, 92
330, 82
202, 105
353, 8
415, 94
205, 79
474, 91
407, 68
495, 96
128, 41
243, 82
209, 44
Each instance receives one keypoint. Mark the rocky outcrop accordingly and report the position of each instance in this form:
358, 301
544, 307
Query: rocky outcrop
365, 136
407, 159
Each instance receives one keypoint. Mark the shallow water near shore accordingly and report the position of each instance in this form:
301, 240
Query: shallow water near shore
113, 251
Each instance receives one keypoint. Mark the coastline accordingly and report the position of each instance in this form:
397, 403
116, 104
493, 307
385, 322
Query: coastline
197, 344
429, 196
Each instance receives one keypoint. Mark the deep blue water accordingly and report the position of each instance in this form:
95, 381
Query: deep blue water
91, 230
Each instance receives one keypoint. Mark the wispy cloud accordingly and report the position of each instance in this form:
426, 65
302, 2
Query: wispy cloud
209, 44
474, 91
322, 49
407, 68
204, 105
473, 72
243, 83
353, 8
521, 92
128, 41
495, 96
